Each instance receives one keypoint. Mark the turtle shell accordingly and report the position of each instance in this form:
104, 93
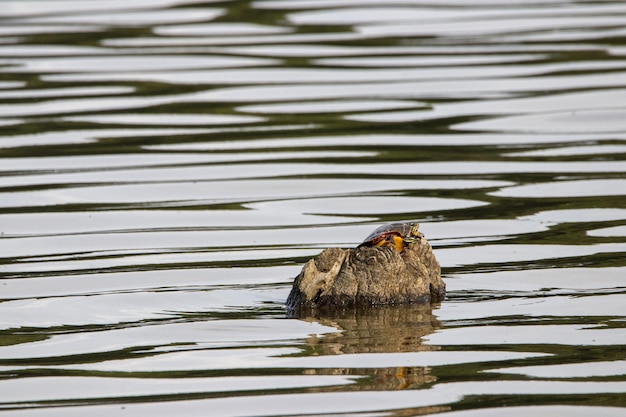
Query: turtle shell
397, 234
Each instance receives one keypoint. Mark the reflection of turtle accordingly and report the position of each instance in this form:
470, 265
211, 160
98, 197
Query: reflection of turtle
396, 234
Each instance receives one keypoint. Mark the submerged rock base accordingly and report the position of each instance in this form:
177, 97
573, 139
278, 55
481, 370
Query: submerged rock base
367, 276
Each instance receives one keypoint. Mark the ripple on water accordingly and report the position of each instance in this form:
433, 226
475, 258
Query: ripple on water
563, 189
575, 370
215, 359
332, 106
216, 192
125, 64
617, 231
572, 151
131, 17
361, 205
167, 166
552, 410
493, 254
168, 119
220, 29
343, 402
74, 137
92, 388
387, 141
494, 335
37, 7
593, 121
427, 61
419, 90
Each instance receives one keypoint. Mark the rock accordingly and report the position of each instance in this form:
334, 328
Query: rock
367, 276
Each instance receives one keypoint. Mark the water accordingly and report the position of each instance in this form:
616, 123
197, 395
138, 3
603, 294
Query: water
166, 167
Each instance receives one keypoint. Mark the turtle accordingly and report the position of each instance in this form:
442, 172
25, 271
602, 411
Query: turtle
396, 234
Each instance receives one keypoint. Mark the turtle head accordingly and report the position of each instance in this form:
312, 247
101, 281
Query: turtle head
413, 233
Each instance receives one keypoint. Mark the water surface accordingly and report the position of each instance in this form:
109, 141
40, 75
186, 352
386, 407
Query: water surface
166, 167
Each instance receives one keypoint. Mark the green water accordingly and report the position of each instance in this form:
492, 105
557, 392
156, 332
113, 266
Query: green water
167, 167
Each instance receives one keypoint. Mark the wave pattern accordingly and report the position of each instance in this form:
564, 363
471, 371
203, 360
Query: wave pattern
167, 166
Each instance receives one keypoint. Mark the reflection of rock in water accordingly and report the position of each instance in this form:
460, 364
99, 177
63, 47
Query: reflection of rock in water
367, 276
379, 300
381, 329
384, 329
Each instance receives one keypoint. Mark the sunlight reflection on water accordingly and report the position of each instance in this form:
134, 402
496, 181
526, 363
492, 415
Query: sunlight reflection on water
166, 167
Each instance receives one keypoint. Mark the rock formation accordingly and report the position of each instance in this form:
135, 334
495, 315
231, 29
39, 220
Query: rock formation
367, 276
